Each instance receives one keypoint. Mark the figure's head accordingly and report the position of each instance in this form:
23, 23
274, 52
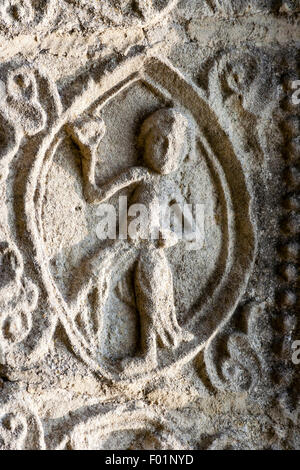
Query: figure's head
163, 138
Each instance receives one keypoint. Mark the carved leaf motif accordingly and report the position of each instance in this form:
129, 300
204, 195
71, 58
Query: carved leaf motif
237, 361
10, 265
20, 427
19, 298
22, 100
16, 313
241, 370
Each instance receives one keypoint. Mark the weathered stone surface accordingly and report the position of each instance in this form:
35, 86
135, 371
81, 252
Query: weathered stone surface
133, 342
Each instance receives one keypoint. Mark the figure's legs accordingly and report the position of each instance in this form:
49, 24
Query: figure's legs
145, 300
155, 303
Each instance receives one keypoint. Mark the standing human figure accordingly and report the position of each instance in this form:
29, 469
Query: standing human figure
163, 142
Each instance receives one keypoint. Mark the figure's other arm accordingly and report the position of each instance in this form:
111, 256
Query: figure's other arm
96, 194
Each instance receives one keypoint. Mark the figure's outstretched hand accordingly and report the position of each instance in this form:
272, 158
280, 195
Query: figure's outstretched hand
87, 132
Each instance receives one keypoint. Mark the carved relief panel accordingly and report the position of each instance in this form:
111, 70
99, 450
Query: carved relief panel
130, 307
142, 236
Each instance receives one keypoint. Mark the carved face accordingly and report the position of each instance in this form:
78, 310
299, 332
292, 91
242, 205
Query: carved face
163, 136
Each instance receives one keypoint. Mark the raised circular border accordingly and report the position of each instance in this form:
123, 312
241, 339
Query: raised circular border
241, 243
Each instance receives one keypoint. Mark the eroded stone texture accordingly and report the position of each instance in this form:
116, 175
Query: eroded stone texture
138, 343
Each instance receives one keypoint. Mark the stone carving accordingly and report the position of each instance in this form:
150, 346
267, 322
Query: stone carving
231, 8
25, 111
18, 300
125, 427
132, 343
242, 356
34, 16
20, 427
24, 334
97, 280
162, 139
137, 426
242, 89
123, 12
240, 364
289, 223
133, 425
287, 296
18, 15
21, 104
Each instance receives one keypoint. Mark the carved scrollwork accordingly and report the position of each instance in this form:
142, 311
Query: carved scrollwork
243, 90
20, 427
238, 358
18, 300
18, 15
28, 106
22, 102
23, 108
123, 12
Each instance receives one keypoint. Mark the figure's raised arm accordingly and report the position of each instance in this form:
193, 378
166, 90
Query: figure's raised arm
87, 132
